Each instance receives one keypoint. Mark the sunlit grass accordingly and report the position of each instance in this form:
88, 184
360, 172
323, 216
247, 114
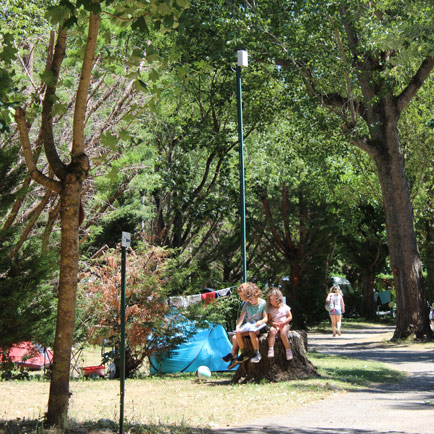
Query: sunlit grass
354, 372
351, 324
179, 403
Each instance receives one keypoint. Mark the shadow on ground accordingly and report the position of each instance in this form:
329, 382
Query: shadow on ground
102, 427
276, 429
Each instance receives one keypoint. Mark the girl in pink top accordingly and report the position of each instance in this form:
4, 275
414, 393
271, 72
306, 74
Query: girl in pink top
279, 317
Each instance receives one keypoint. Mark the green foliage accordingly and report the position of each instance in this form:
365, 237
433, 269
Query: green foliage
224, 311
28, 302
22, 26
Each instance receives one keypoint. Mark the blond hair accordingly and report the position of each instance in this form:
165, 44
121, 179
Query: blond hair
249, 289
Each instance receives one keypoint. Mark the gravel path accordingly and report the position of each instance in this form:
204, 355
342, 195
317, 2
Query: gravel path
404, 408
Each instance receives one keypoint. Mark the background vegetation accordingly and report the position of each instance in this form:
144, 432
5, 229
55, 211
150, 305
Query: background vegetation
159, 130
162, 140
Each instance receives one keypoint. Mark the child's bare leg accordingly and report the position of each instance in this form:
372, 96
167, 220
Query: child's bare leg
255, 343
235, 345
240, 341
272, 337
271, 340
255, 340
284, 336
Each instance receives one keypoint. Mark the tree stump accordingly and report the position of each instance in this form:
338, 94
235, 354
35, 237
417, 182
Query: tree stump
277, 368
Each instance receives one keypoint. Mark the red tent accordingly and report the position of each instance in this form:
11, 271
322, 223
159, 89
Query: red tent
31, 356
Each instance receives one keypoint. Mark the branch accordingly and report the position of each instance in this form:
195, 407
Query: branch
47, 106
346, 69
285, 214
36, 213
363, 144
52, 215
117, 194
334, 100
415, 83
362, 67
305, 74
277, 240
21, 192
50, 51
50, 184
17, 205
25, 69
83, 87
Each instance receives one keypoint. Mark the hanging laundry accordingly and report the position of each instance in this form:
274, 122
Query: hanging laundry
178, 301
225, 292
192, 299
385, 296
208, 297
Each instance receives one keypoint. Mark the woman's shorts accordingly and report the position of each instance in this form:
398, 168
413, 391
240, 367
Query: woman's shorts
336, 312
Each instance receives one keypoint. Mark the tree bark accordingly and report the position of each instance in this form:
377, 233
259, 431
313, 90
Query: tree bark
412, 309
59, 386
367, 286
277, 368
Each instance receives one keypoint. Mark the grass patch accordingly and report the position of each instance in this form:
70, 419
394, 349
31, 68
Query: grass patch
354, 373
179, 403
351, 324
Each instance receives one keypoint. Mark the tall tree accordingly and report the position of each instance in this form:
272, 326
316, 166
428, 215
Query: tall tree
292, 172
366, 61
66, 179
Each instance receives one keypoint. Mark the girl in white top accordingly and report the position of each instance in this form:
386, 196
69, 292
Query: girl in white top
279, 317
337, 309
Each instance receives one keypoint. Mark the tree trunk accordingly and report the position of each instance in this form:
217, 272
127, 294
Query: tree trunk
69, 255
277, 368
429, 256
412, 310
367, 286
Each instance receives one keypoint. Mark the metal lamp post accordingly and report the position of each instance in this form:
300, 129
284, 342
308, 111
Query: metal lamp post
126, 239
242, 62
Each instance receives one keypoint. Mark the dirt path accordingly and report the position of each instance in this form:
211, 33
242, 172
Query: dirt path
404, 408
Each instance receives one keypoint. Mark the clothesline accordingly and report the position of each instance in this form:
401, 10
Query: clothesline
207, 297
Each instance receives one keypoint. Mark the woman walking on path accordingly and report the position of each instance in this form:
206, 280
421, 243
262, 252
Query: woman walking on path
337, 305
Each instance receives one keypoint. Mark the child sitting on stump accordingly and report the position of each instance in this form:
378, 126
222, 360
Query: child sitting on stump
234, 350
254, 317
279, 317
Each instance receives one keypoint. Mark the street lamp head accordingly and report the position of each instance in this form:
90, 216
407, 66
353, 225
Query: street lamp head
242, 58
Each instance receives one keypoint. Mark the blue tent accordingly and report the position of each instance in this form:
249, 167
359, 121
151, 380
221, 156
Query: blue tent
205, 347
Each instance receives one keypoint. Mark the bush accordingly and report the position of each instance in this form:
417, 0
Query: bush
150, 327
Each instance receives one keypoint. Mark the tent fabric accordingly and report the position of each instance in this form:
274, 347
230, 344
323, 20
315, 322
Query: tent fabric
31, 356
206, 347
385, 296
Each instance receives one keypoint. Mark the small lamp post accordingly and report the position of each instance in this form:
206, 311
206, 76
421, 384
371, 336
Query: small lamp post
242, 62
126, 240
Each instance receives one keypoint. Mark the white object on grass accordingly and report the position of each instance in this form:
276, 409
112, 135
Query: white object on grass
203, 372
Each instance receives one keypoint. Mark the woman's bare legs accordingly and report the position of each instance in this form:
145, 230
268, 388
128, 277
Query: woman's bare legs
338, 324
333, 321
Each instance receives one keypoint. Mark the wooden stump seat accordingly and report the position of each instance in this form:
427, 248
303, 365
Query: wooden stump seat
277, 368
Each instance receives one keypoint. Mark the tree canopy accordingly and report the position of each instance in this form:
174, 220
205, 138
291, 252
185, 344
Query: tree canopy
121, 116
